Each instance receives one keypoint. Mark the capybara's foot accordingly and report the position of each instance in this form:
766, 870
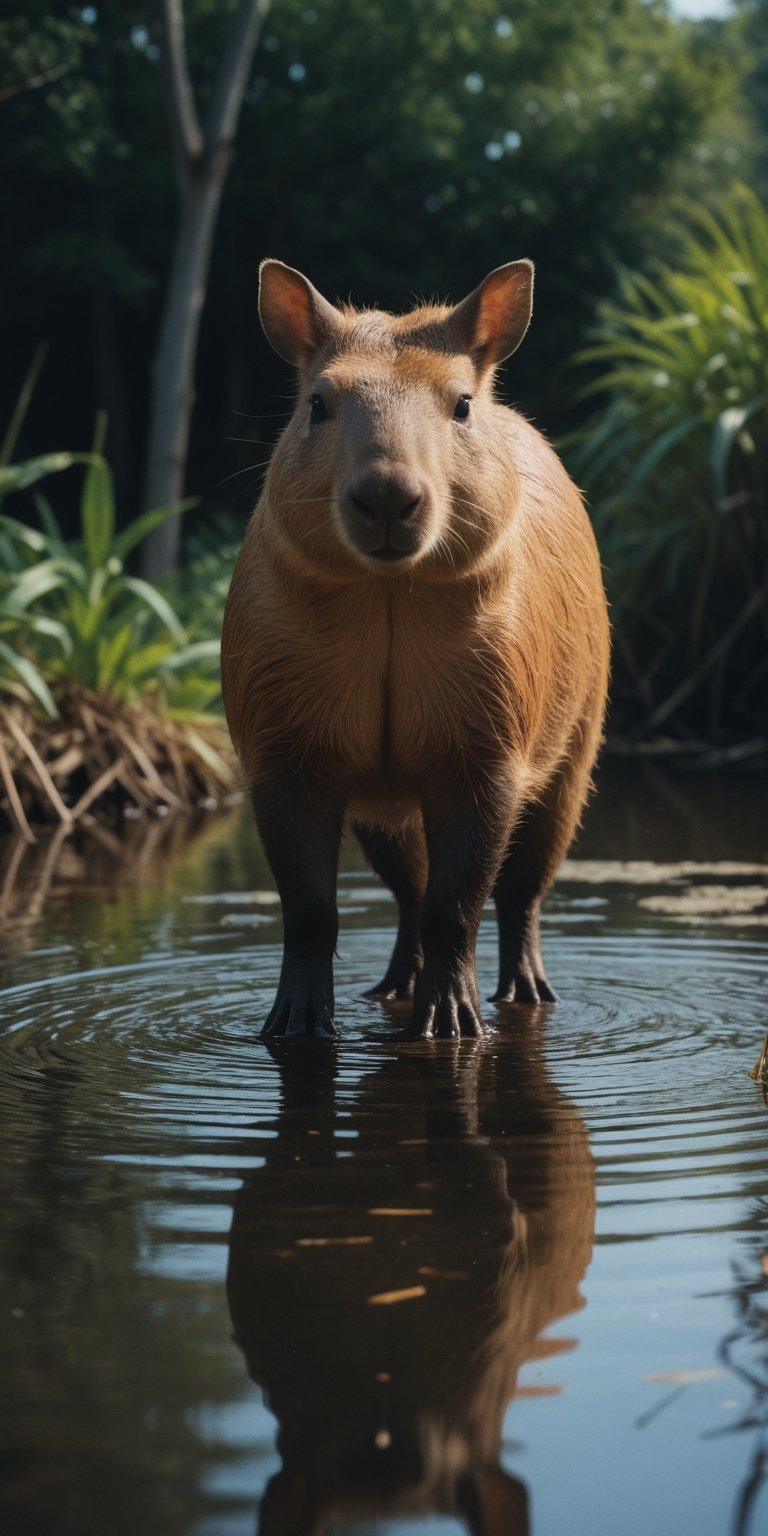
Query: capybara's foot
398, 985
445, 1008
527, 983
301, 1007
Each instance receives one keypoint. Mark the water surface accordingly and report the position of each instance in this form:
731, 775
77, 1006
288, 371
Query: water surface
413, 1290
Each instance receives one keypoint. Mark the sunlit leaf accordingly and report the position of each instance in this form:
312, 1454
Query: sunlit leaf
730, 422
159, 605
32, 679
146, 523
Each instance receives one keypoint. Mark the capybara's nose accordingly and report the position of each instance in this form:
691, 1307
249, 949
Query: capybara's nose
385, 495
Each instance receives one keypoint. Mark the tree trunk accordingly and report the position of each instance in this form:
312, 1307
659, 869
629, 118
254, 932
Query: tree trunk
173, 394
201, 161
112, 397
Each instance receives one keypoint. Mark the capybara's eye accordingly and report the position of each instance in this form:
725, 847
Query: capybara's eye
318, 410
462, 408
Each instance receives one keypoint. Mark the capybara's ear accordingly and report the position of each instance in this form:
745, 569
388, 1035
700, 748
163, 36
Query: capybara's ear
492, 321
296, 319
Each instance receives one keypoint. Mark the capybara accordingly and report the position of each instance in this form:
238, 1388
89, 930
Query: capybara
415, 638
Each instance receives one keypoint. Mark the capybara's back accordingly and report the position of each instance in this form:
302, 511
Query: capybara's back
415, 637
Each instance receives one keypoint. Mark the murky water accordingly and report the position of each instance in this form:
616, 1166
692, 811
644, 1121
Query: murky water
377, 1287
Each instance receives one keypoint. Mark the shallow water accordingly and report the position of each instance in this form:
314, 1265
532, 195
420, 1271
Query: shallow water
495, 1288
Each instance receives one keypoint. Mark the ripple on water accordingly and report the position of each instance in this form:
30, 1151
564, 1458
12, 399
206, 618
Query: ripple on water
149, 1124
174, 1043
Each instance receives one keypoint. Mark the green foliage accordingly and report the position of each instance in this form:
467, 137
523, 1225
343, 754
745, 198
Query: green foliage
561, 132
20, 586
199, 589
20, 677
82, 618
553, 131
676, 458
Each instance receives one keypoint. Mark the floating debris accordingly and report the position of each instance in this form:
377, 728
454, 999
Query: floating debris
682, 1378
387, 1210
653, 871
722, 902
443, 1274
332, 1242
390, 1298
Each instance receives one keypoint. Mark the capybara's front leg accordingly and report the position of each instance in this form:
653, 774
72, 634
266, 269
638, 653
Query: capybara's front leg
301, 831
465, 849
400, 858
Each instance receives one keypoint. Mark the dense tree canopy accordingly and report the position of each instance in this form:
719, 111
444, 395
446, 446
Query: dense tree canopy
389, 150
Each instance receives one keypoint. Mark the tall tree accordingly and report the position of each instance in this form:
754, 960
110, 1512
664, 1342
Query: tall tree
202, 155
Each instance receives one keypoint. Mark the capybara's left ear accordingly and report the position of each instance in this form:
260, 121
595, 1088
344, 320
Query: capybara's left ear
296, 319
492, 321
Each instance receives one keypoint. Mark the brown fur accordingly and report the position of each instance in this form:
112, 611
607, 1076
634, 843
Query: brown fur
486, 653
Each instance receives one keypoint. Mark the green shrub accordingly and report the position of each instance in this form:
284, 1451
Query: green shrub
675, 463
83, 620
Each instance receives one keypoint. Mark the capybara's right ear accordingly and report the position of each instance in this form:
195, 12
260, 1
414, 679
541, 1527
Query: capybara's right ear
492, 321
296, 319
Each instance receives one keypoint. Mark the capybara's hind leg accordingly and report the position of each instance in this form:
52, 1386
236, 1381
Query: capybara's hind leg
522, 977
539, 842
400, 859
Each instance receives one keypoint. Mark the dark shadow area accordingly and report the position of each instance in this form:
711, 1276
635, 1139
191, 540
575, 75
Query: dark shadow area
392, 1267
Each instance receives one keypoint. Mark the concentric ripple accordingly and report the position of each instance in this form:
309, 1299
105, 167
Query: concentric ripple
152, 1144
173, 1041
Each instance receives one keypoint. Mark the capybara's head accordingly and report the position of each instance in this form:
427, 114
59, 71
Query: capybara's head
394, 454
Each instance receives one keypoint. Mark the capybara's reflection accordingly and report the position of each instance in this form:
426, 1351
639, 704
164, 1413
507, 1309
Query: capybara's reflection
393, 1265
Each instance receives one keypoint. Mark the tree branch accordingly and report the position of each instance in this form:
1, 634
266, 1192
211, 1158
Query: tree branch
187, 133
232, 74
35, 82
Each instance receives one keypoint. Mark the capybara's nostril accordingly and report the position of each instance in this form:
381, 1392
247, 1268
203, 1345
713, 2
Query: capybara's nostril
411, 507
360, 506
385, 494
